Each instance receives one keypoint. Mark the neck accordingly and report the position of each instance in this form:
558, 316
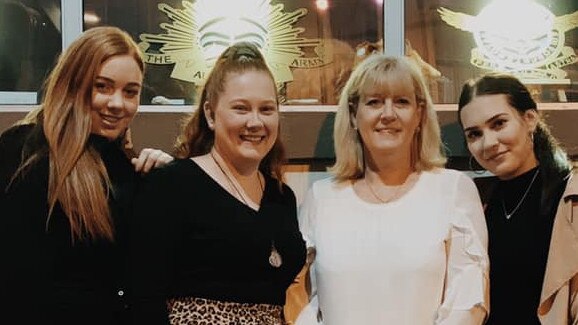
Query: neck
238, 169
389, 171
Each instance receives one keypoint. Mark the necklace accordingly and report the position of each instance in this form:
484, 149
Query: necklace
397, 192
275, 259
509, 215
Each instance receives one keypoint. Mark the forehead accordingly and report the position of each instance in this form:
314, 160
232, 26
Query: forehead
484, 107
250, 83
388, 83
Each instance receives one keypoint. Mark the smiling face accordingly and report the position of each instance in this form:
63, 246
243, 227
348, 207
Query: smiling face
498, 136
115, 96
246, 117
387, 118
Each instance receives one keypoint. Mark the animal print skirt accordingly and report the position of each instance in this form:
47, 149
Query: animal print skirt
199, 311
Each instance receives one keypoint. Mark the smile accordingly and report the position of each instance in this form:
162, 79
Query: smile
110, 119
496, 156
253, 138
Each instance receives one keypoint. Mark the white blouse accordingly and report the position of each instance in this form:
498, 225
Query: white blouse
421, 259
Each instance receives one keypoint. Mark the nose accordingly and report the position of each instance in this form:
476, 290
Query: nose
254, 120
388, 112
116, 100
489, 143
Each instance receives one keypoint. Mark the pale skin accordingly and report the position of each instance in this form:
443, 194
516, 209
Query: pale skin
115, 100
498, 136
245, 120
387, 123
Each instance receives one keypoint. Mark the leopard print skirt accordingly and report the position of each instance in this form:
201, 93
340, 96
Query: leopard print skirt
199, 311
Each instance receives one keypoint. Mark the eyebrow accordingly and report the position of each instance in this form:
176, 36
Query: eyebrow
491, 119
112, 81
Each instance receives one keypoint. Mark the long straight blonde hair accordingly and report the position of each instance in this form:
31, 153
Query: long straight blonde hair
78, 180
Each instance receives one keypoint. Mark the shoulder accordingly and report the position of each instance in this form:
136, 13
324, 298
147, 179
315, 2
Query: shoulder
446, 176
329, 186
16, 135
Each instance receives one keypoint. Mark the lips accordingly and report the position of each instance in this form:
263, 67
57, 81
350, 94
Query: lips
253, 138
110, 121
496, 156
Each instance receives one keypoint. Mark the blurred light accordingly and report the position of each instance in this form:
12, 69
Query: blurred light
378, 2
322, 4
91, 18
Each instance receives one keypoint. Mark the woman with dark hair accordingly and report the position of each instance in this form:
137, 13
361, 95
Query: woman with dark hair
215, 239
67, 185
529, 204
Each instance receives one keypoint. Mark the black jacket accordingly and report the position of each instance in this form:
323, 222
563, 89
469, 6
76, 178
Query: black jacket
45, 276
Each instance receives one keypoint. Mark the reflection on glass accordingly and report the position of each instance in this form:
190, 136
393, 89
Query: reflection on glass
312, 45
30, 40
464, 39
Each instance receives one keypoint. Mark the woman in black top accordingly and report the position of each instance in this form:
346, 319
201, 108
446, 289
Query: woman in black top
506, 136
215, 237
66, 187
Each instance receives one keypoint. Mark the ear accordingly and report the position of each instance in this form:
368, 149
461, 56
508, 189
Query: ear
209, 115
531, 117
352, 121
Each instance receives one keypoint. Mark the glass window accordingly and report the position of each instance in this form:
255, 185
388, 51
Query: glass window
455, 40
311, 45
30, 40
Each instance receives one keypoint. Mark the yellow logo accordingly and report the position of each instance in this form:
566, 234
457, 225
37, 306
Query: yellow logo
531, 46
201, 30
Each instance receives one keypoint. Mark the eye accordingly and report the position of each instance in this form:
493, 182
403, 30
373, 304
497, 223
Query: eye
268, 109
102, 87
240, 108
473, 135
499, 123
374, 102
131, 92
402, 101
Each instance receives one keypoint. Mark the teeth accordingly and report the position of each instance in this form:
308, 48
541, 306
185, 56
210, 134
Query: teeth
252, 138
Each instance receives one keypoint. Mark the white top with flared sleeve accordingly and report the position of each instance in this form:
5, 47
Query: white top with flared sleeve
421, 259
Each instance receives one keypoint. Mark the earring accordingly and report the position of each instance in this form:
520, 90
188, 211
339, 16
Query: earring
476, 171
532, 136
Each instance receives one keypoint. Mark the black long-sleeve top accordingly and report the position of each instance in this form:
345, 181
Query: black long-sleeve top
191, 238
45, 277
518, 247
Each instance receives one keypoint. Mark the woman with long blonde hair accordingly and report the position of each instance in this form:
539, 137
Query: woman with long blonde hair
66, 187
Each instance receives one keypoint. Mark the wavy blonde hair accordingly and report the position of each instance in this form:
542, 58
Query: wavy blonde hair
376, 71
78, 179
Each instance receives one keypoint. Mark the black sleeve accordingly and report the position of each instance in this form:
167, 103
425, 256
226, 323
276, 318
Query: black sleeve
11, 143
292, 239
153, 240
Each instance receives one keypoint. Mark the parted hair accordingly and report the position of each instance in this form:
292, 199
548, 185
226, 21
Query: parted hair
196, 137
78, 180
553, 159
375, 71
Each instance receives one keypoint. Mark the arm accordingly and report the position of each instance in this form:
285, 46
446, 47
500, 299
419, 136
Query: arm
153, 239
466, 285
311, 314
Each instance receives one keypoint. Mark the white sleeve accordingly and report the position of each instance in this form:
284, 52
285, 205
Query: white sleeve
466, 292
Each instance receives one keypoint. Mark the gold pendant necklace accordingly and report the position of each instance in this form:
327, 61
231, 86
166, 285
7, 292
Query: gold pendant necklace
399, 190
275, 259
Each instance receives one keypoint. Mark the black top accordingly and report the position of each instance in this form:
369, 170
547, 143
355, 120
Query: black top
192, 238
518, 248
43, 274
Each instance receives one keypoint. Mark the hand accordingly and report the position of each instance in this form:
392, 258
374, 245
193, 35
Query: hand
149, 159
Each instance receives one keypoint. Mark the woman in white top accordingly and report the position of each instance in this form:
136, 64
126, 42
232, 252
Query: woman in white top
394, 237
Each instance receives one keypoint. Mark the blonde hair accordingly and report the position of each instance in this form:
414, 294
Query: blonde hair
197, 138
78, 179
377, 70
